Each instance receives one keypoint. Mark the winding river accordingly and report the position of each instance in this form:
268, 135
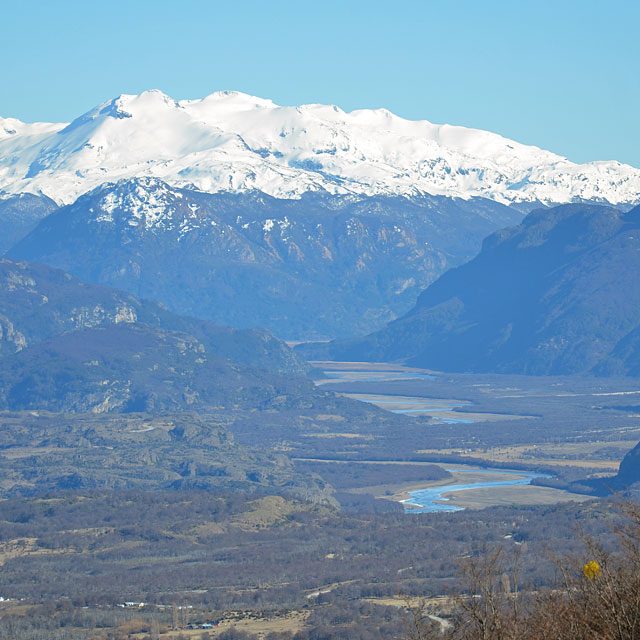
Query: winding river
439, 410
486, 487
433, 499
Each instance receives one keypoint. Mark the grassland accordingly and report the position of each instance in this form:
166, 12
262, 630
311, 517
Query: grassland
584, 455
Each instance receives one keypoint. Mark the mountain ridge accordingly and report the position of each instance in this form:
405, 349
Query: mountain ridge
19, 214
556, 294
38, 302
133, 367
250, 259
230, 141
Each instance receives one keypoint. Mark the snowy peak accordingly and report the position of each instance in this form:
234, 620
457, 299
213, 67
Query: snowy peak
231, 141
125, 105
144, 203
10, 127
220, 102
136, 206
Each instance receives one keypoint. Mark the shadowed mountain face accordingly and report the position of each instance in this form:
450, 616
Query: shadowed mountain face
19, 214
557, 294
320, 266
626, 480
38, 302
629, 472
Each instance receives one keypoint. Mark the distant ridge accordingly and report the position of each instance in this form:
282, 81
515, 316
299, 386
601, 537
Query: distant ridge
557, 294
249, 259
38, 303
230, 141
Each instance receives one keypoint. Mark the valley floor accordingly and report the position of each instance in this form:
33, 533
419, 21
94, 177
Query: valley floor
277, 565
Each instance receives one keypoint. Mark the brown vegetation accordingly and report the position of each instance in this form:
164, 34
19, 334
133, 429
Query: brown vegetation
597, 596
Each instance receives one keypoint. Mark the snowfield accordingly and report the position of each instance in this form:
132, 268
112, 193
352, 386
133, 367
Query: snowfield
231, 141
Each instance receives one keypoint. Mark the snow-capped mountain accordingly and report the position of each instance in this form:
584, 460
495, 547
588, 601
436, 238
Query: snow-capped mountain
248, 259
234, 142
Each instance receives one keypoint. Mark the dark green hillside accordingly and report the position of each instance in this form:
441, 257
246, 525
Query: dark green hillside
128, 368
557, 294
38, 302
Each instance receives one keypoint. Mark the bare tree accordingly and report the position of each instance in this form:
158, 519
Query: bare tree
597, 596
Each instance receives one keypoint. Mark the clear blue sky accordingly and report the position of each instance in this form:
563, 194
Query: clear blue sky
564, 75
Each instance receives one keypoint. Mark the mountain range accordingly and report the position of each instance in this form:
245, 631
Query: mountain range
70, 346
230, 141
146, 240
320, 224
556, 294
318, 266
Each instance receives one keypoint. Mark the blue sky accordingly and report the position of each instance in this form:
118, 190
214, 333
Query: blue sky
563, 75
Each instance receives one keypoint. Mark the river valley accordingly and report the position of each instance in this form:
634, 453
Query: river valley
393, 388
448, 411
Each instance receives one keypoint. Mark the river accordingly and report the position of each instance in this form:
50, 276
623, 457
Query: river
433, 499
440, 410
486, 486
